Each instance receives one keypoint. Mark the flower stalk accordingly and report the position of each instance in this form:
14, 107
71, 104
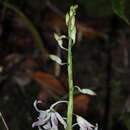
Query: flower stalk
70, 21
71, 87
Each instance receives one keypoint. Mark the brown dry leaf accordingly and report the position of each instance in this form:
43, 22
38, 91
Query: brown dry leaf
81, 104
55, 21
51, 85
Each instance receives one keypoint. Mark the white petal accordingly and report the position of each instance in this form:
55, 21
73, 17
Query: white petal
88, 91
60, 118
74, 125
59, 37
56, 59
96, 127
56, 103
54, 121
40, 128
44, 115
56, 36
47, 126
59, 40
42, 119
38, 123
60, 43
84, 124
35, 105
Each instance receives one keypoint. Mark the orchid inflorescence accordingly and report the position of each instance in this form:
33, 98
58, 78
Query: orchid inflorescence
70, 22
48, 119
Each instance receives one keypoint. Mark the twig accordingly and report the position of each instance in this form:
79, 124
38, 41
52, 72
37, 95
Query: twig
4, 122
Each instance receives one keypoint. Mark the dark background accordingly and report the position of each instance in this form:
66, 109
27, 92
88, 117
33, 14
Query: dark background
100, 62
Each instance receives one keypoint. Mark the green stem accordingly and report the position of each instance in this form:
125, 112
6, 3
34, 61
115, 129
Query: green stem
71, 88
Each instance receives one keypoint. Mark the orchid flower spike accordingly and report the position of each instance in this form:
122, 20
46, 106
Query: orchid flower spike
70, 22
49, 118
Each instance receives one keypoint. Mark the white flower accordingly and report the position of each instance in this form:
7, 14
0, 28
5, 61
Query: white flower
86, 91
56, 59
84, 124
96, 127
59, 38
49, 119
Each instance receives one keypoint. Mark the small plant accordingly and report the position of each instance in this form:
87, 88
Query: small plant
48, 119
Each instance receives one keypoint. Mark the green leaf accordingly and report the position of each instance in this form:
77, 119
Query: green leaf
119, 9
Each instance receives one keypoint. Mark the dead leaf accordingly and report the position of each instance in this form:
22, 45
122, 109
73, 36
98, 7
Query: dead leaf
81, 104
50, 83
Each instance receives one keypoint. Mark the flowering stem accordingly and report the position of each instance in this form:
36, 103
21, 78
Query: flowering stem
71, 87
70, 22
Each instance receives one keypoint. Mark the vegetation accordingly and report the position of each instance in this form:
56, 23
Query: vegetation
93, 54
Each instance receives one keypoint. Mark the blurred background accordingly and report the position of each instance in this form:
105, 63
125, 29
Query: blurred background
100, 61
